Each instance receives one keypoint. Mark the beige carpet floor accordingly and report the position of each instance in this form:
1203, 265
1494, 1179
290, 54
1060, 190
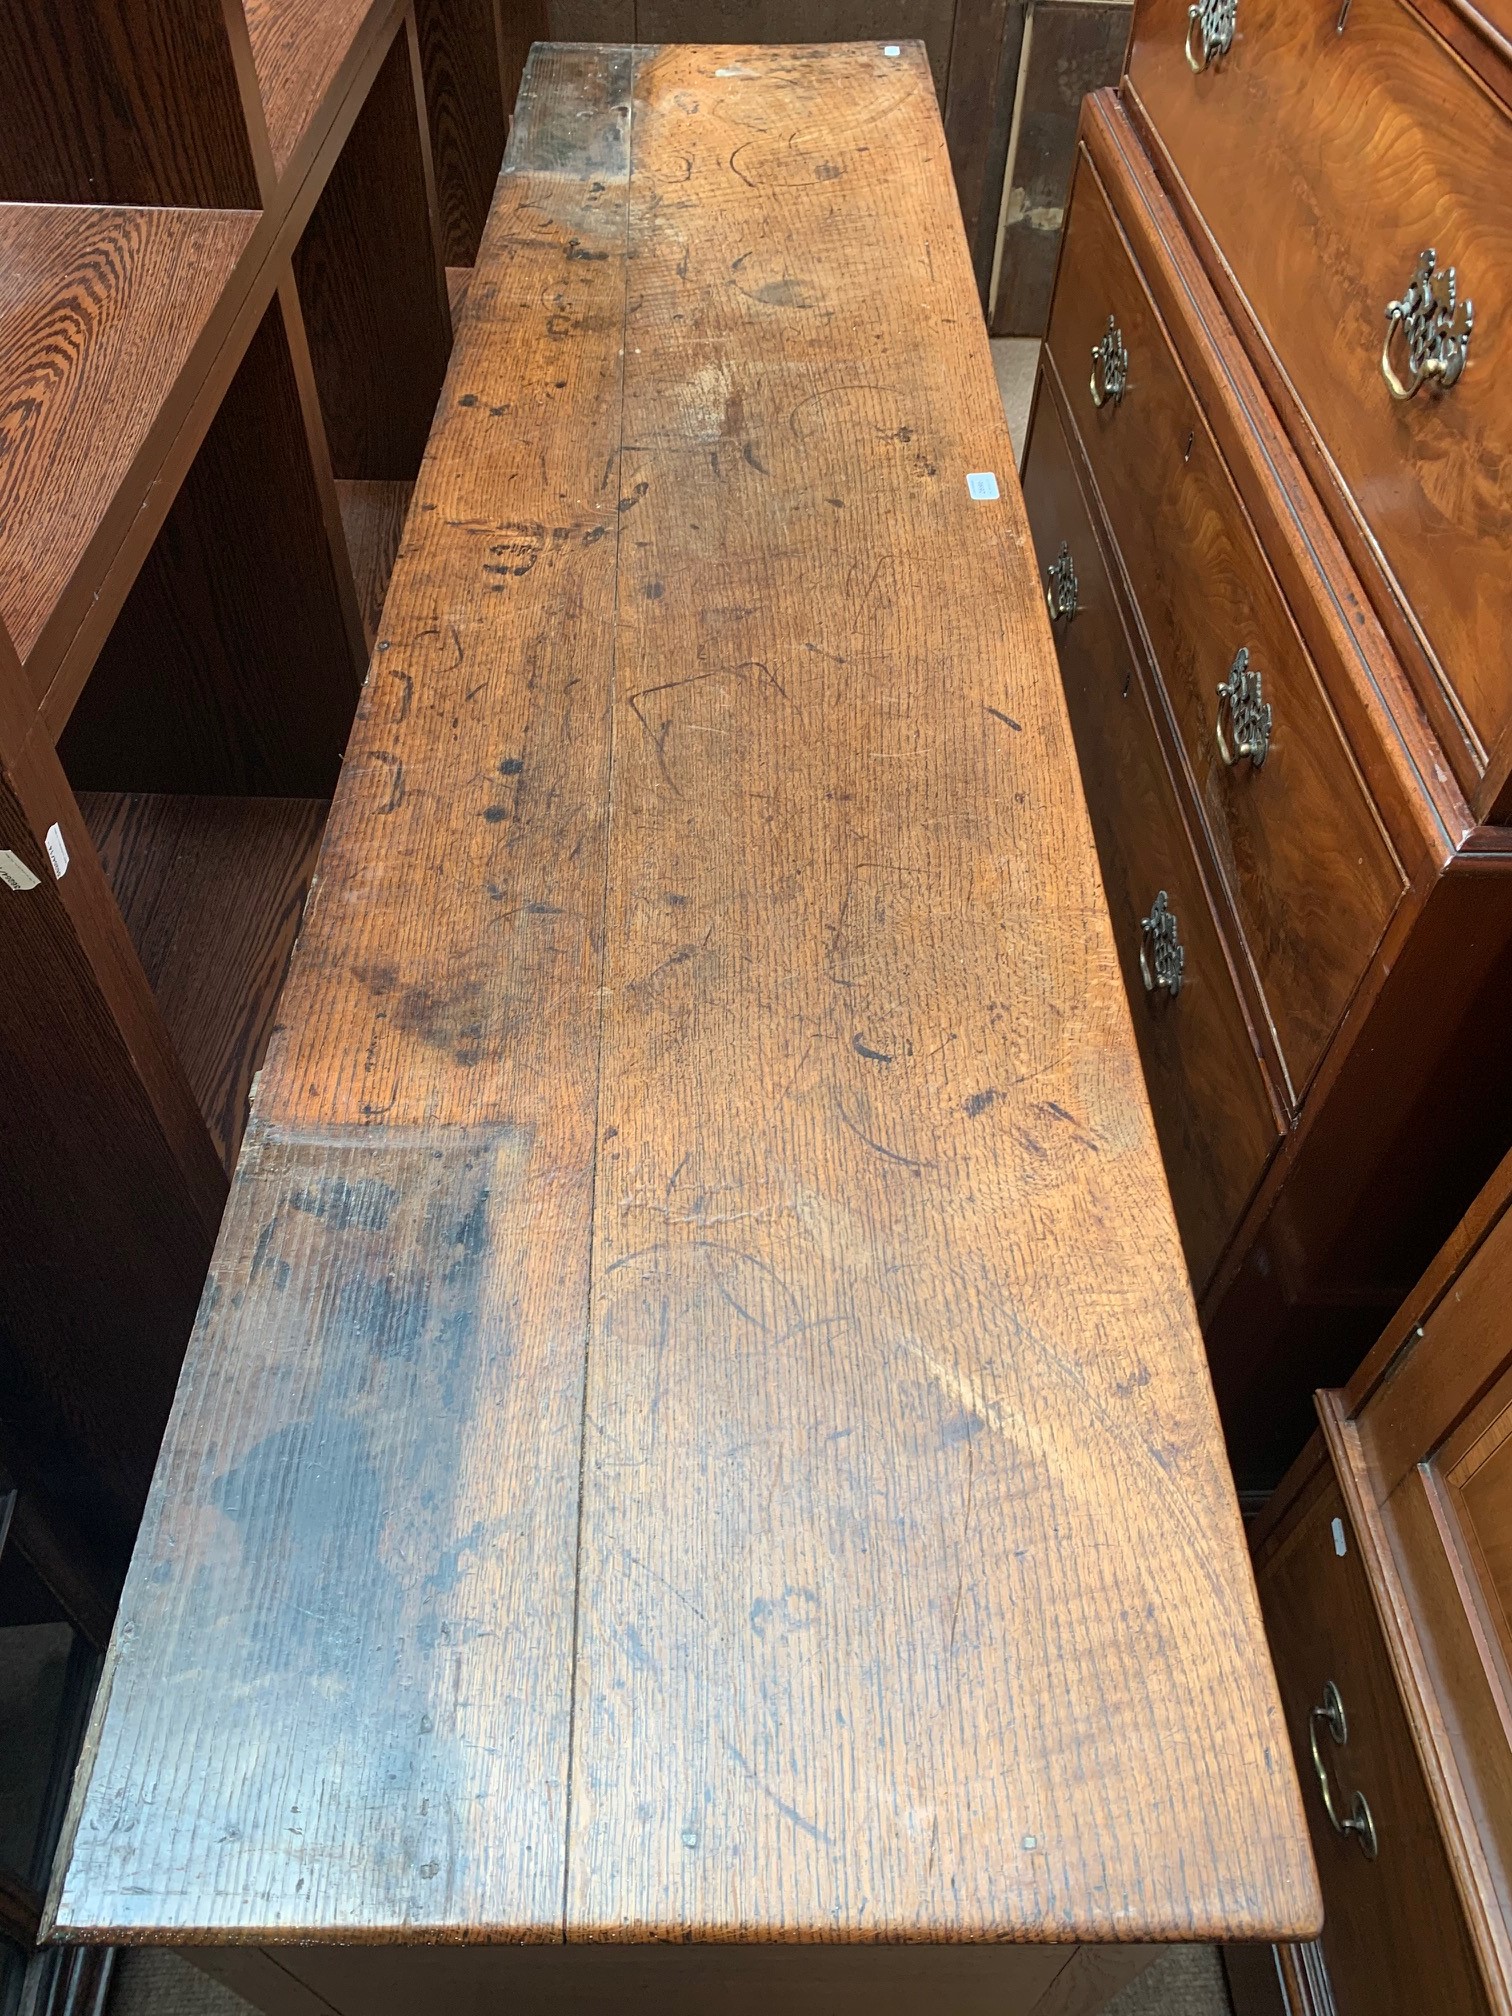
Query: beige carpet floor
1188, 1981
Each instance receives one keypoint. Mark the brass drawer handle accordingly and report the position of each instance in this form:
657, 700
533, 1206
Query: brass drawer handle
1243, 726
1110, 366
1435, 326
1329, 1715
1162, 956
1213, 20
1061, 593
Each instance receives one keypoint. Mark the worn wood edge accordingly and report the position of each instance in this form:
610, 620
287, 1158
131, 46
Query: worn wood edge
1466, 755
1474, 1879
1431, 815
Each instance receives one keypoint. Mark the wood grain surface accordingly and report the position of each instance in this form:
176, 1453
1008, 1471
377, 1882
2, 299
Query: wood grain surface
372, 517
371, 284
234, 665
768, 21
1395, 1938
101, 311
212, 891
300, 48
1311, 872
468, 113
152, 103
1373, 143
1214, 1112
1069, 48
698, 1428
90, 1338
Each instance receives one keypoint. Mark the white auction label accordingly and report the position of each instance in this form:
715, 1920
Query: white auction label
982, 485
14, 872
57, 850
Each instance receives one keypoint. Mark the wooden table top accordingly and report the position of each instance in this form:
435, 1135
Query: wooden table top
697, 1428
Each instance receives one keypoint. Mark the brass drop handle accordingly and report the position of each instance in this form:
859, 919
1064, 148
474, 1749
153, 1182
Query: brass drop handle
1110, 366
1162, 956
1061, 590
1435, 326
1213, 22
1329, 1715
1243, 726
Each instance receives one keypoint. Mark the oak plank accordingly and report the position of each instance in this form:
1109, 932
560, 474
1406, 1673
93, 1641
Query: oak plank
376, 1441
907, 1539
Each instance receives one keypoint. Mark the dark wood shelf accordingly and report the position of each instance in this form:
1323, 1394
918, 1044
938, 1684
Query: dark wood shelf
212, 891
304, 52
372, 516
103, 315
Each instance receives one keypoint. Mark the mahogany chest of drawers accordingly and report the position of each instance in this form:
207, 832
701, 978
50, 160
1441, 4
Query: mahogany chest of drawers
1384, 1564
1269, 477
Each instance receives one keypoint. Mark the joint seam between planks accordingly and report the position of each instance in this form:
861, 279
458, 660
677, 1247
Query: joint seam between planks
598, 1067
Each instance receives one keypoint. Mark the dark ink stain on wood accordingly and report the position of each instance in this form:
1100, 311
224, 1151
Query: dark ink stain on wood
396, 780
511, 766
865, 1050
914, 1163
367, 1203
782, 294
654, 591
827, 172
978, 1103
518, 551
577, 250
495, 814
749, 454
1007, 719
468, 399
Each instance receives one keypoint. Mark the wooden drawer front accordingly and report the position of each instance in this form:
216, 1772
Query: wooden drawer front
1394, 1936
1324, 163
1308, 866
1212, 1109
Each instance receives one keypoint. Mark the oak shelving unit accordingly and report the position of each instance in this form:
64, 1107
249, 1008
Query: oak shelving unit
230, 232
